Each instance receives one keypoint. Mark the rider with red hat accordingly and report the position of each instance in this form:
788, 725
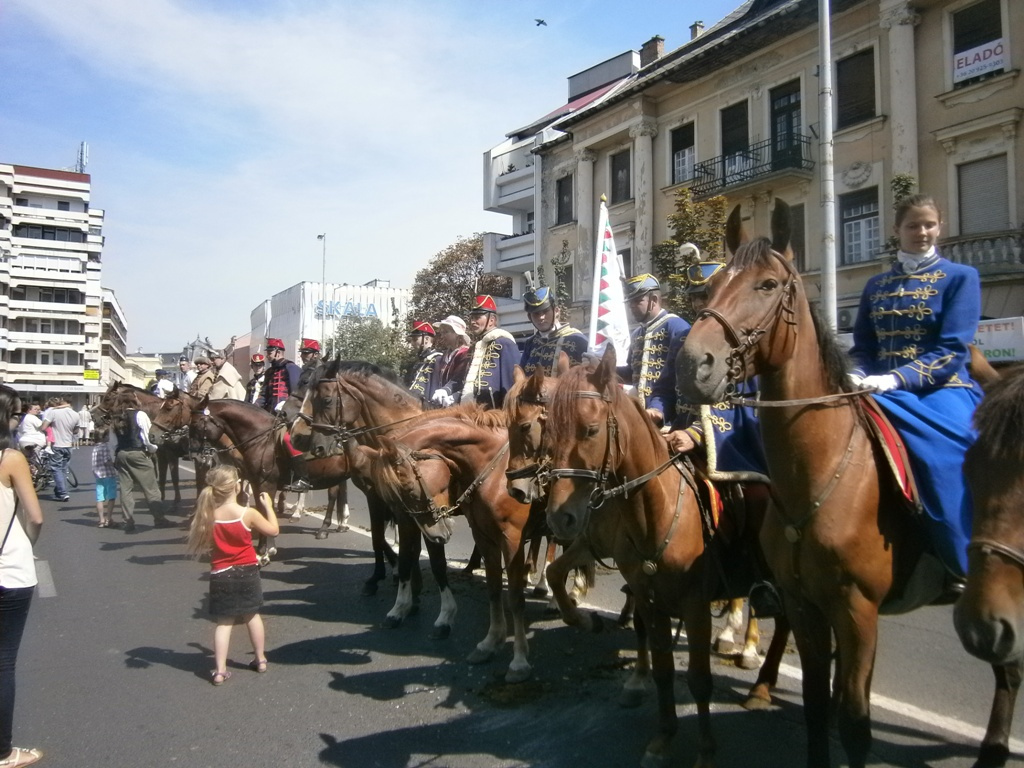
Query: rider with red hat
281, 380
495, 356
426, 374
309, 352
258, 369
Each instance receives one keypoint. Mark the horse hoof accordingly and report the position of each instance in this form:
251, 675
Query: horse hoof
518, 675
992, 756
369, 589
727, 648
441, 632
476, 656
391, 622
748, 661
540, 592
263, 560
321, 534
755, 703
551, 610
631, 698
271, 551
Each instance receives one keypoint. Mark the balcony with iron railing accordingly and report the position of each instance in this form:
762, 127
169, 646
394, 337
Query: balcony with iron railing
991, 253
759, 162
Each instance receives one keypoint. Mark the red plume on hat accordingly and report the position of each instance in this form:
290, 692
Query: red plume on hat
422, 328
275, 344
310, 344
484, 303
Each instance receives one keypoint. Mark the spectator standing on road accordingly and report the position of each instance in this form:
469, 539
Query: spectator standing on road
184, 376
134, 466
84, 424
223, 528
105, 472
64, 421
17, 571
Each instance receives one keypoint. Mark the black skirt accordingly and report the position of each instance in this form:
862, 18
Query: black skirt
236, 591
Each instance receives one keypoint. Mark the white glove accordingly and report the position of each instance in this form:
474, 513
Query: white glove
882, 383
856, 379
442, 398
279, 406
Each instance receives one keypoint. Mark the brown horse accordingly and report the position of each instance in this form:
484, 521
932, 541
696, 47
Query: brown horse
989, 617
836, 537
452, 462
614, 484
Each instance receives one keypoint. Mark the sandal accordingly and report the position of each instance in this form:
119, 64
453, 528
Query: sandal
218, 678
20, 756
104, 524
258, 666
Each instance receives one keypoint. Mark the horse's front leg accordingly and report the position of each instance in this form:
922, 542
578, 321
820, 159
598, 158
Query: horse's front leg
577, 554
439, 568
410, 542
498, 629
519, 670
332, 502
995, 747
856, 628
814, 644
664, 671
760, 696
635, 688
382, 551
341, 504
697, 615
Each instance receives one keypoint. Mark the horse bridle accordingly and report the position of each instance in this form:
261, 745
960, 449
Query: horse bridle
439, 513
539, 468
991, 546
781, 308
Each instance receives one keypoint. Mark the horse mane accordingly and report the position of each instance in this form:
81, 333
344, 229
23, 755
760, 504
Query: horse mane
470, 413
361, 369
834, 360
384, 478
999, 419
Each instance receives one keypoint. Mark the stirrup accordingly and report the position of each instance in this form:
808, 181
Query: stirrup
765, 600
302, 485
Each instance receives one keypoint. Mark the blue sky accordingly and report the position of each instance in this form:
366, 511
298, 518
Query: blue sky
224, 135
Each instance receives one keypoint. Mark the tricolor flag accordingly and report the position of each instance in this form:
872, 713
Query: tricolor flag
608, 311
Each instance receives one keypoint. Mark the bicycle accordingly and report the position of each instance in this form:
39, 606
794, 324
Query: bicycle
42, 472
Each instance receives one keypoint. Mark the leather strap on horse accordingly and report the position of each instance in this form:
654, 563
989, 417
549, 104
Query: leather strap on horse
439, 513
990, 546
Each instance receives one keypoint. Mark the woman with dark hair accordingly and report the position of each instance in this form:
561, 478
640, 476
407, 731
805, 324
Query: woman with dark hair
17, 570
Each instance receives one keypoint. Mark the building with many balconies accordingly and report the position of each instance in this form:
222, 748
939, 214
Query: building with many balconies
932, 90
51, 242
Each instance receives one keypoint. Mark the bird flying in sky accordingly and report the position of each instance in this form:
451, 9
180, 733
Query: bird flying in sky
541, 22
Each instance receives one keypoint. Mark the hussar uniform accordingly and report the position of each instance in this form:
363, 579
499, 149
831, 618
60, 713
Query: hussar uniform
492, 368
542, 350
426, 375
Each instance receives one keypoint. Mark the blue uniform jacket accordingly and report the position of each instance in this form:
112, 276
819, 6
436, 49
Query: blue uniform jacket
651, 363
541, 351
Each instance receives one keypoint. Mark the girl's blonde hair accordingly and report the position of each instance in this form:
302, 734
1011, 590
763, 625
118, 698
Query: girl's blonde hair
219, 490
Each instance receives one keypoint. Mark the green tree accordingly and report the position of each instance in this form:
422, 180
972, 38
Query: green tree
448, 284
699, 222
367, 338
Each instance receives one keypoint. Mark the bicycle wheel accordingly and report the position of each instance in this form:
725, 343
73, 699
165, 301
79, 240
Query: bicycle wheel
42, 480
72, 478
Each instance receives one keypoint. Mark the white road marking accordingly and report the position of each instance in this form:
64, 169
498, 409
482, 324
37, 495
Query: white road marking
45, 587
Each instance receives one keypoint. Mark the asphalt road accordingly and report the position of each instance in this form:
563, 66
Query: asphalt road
114, 670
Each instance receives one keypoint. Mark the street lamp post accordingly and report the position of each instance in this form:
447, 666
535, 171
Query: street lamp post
323, 291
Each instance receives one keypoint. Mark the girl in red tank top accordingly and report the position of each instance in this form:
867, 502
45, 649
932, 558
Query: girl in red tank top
223, 529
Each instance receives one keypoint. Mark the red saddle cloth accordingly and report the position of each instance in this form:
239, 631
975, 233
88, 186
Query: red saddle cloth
894, 450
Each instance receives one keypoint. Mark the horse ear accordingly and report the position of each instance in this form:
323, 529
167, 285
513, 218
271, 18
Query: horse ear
782, 228
517, 374
734, 234
564, 363
605, 371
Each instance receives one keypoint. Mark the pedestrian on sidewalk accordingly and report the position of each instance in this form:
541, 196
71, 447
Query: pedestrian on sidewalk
105, 472
17, 571
223, 528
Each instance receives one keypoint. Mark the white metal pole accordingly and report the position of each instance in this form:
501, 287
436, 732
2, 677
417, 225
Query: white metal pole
826, 165
323, 292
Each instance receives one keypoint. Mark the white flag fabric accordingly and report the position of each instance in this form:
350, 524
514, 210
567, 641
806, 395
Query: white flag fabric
608, 321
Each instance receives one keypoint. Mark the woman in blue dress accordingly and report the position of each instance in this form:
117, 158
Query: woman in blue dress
910, 344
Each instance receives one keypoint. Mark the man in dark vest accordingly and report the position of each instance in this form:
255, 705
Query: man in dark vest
280, 381
135, 467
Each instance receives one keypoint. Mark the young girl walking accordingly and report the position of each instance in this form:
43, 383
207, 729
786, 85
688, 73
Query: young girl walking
223, 528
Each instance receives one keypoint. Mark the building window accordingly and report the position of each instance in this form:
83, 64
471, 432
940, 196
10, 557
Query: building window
978, 47
63, 205
858, 213
787, 151
683, 153
626, 260
797, 238
563, 193
620, 182
855, 88
736, 157
529, 221
984, 195
21, 201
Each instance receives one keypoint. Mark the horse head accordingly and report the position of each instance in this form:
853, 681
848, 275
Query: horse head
582, 434
418, 483
749, 324
526, 412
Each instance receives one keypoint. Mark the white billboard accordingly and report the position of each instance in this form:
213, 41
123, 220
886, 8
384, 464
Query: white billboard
1001, 340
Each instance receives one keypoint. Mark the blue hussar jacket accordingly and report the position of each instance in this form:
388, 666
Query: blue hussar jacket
651, 362
541, 350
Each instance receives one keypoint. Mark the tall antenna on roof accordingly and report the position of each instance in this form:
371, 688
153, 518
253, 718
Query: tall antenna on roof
83, 157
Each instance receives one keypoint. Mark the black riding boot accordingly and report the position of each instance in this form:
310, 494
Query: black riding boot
300, 475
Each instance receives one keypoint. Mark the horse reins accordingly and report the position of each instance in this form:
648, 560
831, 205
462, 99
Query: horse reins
990, 546
438, 513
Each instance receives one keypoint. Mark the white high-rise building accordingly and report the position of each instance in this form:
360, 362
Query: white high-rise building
51, 302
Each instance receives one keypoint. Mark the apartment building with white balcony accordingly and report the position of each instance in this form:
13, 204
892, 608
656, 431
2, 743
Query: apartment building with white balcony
930, 89
114, 341
51, 242
512, 174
